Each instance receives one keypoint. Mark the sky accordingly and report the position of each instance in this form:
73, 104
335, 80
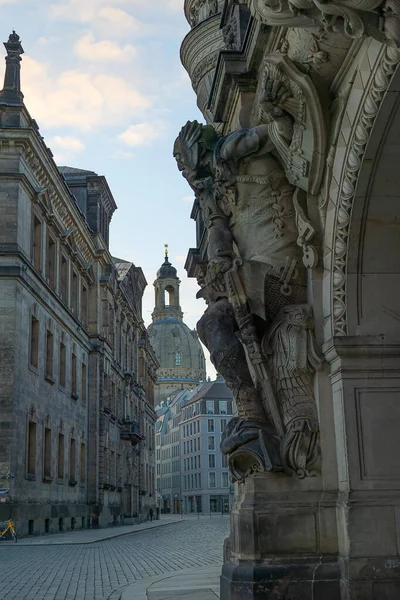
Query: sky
104, 81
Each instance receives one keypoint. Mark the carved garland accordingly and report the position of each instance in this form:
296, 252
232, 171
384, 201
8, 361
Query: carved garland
356, 150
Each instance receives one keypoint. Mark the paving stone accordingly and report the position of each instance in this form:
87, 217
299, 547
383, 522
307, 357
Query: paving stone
99, 571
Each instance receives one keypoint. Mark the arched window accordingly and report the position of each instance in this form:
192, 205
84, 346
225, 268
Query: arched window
178, 359
169, 296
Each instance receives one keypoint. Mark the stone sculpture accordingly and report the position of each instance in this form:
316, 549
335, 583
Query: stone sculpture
258, 326
354, 18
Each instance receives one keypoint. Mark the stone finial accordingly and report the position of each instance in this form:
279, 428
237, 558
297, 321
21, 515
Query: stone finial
11, 92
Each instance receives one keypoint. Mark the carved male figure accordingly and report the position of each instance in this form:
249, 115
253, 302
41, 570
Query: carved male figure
247, 205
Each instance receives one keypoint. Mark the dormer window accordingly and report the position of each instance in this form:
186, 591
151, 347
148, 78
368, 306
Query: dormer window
178, 359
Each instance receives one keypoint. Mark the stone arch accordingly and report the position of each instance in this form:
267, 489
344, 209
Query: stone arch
368, 111
373, 261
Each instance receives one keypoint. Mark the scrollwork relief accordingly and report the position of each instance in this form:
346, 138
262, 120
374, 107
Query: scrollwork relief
356, 149
352, 18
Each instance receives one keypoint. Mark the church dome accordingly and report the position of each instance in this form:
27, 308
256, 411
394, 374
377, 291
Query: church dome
177, 347
166, 270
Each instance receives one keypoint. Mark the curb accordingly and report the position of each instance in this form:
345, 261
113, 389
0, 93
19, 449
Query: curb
104, 539
138, 589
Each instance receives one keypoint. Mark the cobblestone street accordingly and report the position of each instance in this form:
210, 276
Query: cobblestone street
99, 571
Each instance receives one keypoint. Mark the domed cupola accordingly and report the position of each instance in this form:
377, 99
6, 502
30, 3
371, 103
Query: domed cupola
178, 349
166, 270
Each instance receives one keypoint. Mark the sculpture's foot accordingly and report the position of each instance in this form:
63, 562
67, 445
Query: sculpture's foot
252, 446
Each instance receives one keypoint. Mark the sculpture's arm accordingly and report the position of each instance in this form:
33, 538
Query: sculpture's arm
220, 240
257, 140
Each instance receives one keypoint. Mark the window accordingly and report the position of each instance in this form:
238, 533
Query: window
211, 461
191, 445
34, 344
62, 365
192, 481
211, 480
191, 428
72, 460
191, 463
60, 461
37, 243
31, 448
195, 462
210, 407
74, 389
64, 278
210, 425
74, 293
199, 462
223, 407
198, 444
83, 383
194, 446
51, 261
211, 442
225, 480
84, 306
178, 359
47, 452
223, 425
49, 354
224, 461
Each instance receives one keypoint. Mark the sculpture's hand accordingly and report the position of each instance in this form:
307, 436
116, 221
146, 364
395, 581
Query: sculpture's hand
272, 100
216, 269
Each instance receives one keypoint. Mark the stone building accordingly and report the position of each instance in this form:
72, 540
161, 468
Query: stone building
76, 366
298, 256
205, 480
191, 473
178, 350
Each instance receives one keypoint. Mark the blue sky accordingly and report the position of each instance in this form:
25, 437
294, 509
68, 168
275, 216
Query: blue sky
104, 81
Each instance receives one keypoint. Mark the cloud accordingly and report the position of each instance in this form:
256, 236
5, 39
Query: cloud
142, 133
78, 99
65, 147
122, 154
89, 11
104, 51
68, 143
119, 19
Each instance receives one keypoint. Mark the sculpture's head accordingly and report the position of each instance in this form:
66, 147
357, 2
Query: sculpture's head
193, 150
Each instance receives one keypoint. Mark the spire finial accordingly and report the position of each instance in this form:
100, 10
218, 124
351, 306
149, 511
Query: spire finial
166, 251
11, 92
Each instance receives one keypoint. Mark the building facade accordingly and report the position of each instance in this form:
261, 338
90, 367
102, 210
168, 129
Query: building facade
76, 366
298, 242
178, 350
192, 474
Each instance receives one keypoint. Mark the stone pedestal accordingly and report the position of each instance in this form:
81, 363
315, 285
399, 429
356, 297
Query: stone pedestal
283, 542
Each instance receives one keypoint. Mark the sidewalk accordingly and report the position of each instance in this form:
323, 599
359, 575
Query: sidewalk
191, 584
91, 536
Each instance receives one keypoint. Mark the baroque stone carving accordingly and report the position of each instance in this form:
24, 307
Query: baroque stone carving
353, 18
355, 153
200, 10
258, 327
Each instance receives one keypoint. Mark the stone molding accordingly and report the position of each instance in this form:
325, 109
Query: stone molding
200, 49
369, 108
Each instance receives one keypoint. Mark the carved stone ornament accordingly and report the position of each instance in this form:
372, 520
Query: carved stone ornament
258, 328
304, 157
356, 148
200, 10
353, 18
